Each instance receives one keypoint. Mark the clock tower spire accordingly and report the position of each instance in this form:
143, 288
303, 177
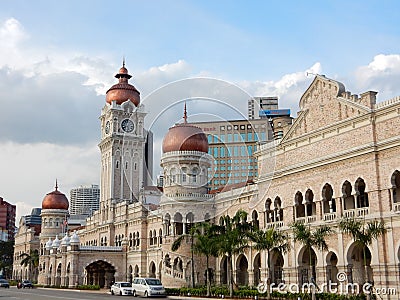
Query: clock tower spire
123, 143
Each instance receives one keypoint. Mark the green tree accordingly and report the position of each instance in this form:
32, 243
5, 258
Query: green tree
202, 242
32, 261
205, 244
311, 238
363, 234
232, 238
269, 240
6, 257
178, 243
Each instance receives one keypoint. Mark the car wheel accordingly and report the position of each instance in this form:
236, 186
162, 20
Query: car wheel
120, 293
112, 292
134, 293
145, 294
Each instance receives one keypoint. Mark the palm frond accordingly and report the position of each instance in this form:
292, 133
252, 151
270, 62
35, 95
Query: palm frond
177, 243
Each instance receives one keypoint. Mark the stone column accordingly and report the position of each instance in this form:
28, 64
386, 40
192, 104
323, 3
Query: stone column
318, 210
251, 278
172, 228
340, 207
184, 227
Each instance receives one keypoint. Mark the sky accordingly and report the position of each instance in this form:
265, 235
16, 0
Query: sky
58, 58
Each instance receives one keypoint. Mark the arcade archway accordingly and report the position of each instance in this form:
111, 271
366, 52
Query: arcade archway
100, 273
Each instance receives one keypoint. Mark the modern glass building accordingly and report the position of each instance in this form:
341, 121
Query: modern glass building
232, 144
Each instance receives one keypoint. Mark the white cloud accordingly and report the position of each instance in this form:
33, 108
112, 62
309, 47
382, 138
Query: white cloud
29, 171
50, 107
289, 88
382, 74
12, 33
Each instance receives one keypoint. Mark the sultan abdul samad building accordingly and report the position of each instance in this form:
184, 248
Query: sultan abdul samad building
340, 157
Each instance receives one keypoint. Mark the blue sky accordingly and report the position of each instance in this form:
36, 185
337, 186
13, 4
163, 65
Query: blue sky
57, 59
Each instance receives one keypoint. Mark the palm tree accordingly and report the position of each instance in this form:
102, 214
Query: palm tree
363, 234
270, 240
202, 242
206, 245
316, 238
232, 238
32, 261
177, 244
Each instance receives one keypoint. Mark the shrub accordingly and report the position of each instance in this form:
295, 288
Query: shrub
88, 287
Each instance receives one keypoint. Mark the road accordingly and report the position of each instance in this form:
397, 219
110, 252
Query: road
54, 294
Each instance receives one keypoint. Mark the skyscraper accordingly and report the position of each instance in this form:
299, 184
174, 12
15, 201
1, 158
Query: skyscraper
7, 220
84, 200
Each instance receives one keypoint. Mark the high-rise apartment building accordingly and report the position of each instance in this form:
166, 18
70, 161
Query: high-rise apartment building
232, 144
84, 200
7, 220
257, 104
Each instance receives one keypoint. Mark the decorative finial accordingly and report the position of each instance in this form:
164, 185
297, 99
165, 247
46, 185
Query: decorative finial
56, 185
185, 114
123, 61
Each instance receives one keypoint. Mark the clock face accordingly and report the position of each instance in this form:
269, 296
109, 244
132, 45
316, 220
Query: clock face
107, 127
127, 125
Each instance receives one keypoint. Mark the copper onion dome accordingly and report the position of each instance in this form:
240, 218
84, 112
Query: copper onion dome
55, 200
185, 137
123, 91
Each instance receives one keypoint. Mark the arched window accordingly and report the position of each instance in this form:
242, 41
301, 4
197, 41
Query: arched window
362, 196
178, 223
278, 209
255, 222
154, 237
309, 203
299, 205
396, 186
348, 198
268, 213
329, 204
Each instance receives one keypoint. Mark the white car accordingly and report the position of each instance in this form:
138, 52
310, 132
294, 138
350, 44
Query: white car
121, 288
147, 287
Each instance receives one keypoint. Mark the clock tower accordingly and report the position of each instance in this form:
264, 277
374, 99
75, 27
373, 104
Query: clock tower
125, 151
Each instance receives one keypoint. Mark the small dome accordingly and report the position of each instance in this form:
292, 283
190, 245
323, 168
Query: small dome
48, 244
185, 137
55, 200
74, 239
65, 240
56, 242
123, 70
123, 91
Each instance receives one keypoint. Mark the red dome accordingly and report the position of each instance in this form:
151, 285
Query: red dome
55, 200
185, 137
123, 91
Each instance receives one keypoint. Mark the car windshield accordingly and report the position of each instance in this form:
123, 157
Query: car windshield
3, 280
153, 281
125, 284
